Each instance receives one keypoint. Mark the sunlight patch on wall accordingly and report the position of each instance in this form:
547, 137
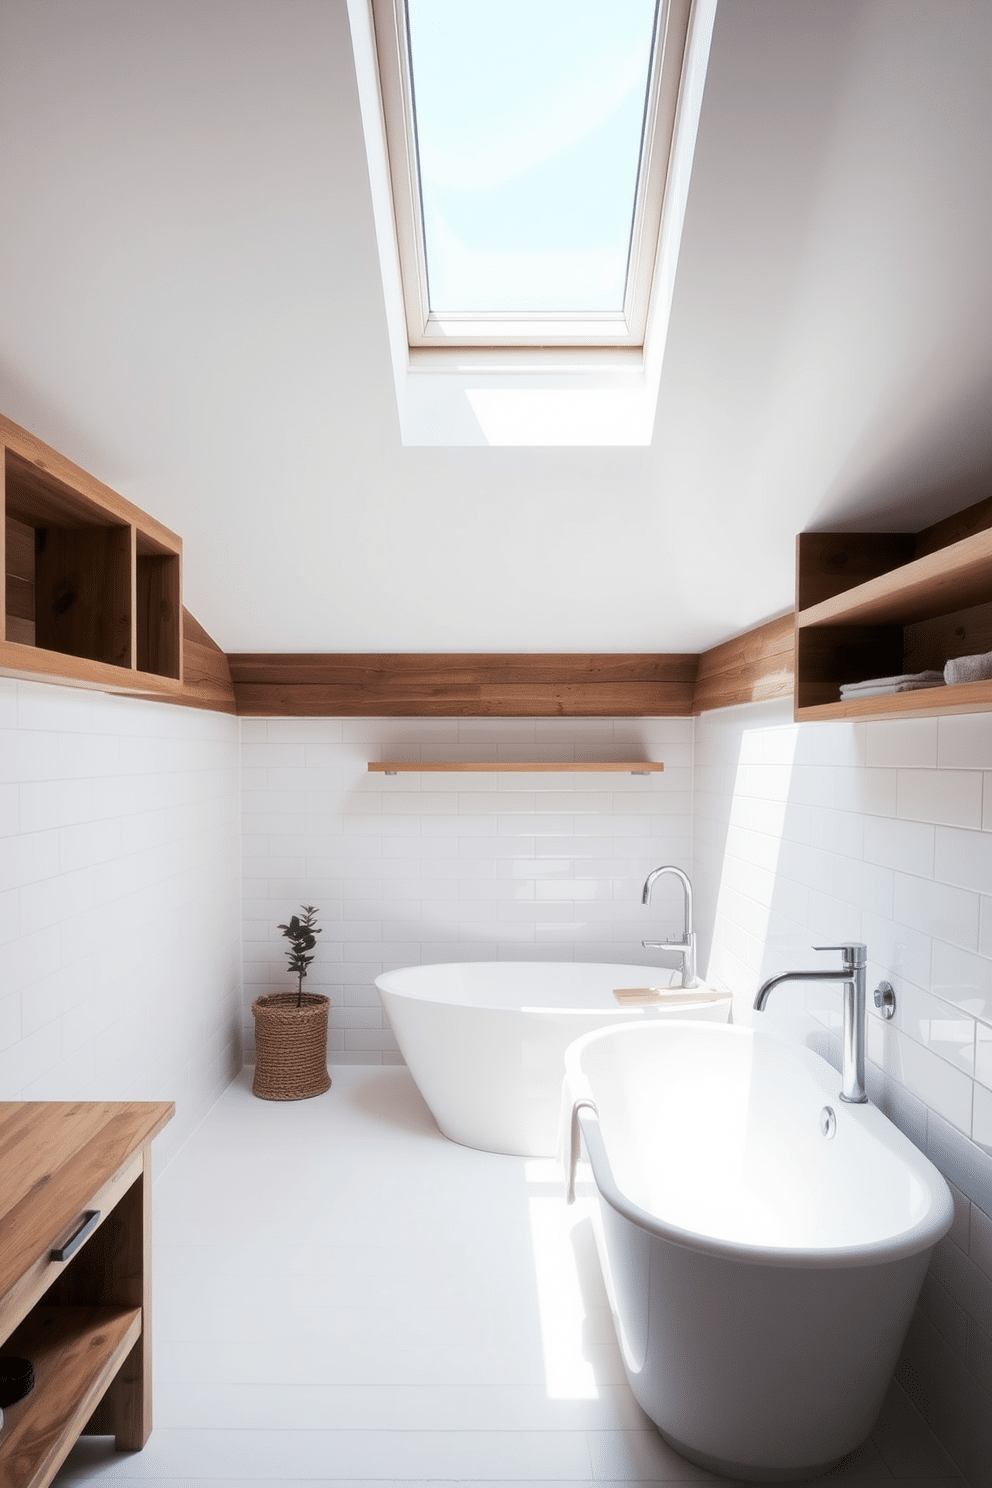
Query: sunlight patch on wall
560, 416
756, 829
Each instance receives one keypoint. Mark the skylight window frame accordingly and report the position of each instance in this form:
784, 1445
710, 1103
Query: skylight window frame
434, 334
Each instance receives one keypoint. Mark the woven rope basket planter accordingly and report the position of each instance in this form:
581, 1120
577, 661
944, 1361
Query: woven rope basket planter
290, 1046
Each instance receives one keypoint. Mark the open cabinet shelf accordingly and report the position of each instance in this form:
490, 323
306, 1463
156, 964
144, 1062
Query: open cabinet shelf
92, 585
76, 1353
75, 1283
884, 604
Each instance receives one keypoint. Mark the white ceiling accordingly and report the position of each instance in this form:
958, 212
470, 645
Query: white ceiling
191, 308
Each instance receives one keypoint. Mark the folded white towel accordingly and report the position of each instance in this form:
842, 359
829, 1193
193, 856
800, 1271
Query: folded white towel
848, 694
969, 668
879, 686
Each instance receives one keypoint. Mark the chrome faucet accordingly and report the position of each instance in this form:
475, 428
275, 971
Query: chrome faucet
852, 974
687, 945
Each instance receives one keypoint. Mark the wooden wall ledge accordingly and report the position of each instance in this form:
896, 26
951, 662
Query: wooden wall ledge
464, 685
751, 668
755, 666
518, 767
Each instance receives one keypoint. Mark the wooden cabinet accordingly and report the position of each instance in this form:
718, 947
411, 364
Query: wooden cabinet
75, 1290
875, 604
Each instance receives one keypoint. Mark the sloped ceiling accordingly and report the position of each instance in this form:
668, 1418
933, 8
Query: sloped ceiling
191, 308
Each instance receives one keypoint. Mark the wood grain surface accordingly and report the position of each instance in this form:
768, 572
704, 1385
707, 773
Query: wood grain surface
43, 486
206, 672
84, 1320
76, 1352
579, 685
753, 667
829, 563
950, 578
54, 1158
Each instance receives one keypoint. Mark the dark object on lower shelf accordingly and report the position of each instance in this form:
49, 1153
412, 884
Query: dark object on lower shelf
16, 1379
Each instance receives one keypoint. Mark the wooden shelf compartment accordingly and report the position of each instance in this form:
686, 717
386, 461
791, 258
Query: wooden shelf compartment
76, 1353
36, 664
159, 608
88, 577
565, 767
883, 604
953, 578
73, 568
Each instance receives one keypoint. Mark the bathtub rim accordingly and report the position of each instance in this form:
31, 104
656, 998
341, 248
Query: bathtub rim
636, 1014
922, 1236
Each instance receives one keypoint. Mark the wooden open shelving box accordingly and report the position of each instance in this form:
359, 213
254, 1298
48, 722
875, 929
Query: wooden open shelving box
92, 584
876, 604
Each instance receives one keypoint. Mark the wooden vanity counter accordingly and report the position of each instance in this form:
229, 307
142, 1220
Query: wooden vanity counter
75, 1276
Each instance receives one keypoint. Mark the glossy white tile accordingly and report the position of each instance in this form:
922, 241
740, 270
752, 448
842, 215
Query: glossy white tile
948, 797
964, 858
902, 743
908, 846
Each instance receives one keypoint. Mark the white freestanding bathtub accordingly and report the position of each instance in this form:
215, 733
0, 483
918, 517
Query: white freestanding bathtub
762, 1243
485, 1041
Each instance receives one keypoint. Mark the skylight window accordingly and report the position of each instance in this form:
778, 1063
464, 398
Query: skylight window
528, 126
529, 165
529, 145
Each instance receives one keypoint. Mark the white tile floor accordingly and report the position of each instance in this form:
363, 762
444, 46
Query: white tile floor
343, 1296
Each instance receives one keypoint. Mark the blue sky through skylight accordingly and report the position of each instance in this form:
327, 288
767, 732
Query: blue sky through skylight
529, 117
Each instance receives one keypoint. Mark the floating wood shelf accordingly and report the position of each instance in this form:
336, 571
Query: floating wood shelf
565, 767
882, 604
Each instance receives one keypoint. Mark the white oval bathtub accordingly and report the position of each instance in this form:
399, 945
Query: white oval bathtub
485, 1041
762, 1275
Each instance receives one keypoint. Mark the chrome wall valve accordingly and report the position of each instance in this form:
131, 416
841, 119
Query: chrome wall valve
885, 999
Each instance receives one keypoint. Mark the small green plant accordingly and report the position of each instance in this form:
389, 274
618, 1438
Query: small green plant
301, 934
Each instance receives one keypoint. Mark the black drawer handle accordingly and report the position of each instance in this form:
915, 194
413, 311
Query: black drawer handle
87, 1225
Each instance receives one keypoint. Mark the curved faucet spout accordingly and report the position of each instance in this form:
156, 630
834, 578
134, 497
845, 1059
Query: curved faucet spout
852, 976
687, 946
766, 988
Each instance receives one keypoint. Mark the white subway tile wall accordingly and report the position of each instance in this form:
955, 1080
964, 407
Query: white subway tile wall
119, 901
419, 868
811, 834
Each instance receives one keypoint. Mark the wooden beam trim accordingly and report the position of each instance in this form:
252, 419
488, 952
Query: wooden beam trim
766, 643
459, 669
754, 667
275, 700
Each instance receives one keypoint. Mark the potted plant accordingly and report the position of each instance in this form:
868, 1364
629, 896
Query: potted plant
291, 1027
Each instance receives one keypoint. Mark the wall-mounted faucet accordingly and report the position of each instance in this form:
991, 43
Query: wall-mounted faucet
852, 974
687, 945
